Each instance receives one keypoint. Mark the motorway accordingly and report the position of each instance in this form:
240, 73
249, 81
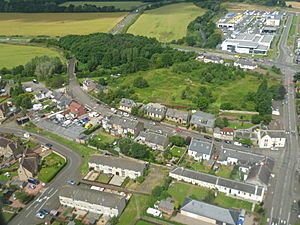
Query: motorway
282, 193
48, 199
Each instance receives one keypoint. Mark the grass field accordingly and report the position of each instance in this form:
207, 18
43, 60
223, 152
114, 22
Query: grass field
166, 87
141, 222
57, 24
118, 5
52, 164
237, 7
13, 55
180, 191
166, 23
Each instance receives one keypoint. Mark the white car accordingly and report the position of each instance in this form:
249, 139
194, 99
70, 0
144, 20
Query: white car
237, 143
125, 114
40, 215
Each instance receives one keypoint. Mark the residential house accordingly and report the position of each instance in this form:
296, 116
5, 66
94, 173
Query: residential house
271, 139
245, 64
43, 94
209, 213
236, 189
213, 59
29, 165
259, 175
153, 140
246, 134
127, 104
178, 116
155, 111
166, 206
55, 96
100, 202
118, 166
225, 133
3, 111
203, 120
10, 149
122, 126
200, 150
77, 109
88, 85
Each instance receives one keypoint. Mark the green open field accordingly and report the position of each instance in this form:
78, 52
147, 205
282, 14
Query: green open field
57, 24
166, 23
13, 55
118, 5
166, 87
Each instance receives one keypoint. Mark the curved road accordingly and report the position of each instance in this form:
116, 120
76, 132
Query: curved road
48, 199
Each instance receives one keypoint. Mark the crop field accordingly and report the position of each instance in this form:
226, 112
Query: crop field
57, 24
295, 5
166, 23
13, 55
118, 5
236, 7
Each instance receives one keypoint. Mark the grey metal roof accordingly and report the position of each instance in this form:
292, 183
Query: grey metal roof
155, 138
93, 196
118, 162
201, 147
127, 102
267, 38
155, 108
227, 216
203, 119
124, 122
177, 114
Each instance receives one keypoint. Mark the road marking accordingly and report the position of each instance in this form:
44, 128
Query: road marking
28, 213
271, 215
47, 199
287, 221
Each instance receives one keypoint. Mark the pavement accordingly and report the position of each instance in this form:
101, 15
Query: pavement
48, 199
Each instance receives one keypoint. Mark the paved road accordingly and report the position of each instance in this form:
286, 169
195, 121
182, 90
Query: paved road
282, 193
49, 198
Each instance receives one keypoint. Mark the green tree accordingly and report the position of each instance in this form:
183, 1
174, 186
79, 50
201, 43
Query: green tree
177, 140
140, 82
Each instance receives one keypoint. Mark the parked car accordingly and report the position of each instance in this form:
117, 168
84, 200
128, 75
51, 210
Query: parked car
227, 142
237, 143
44, 211
71, 182
40, 215
35, 81
48, 145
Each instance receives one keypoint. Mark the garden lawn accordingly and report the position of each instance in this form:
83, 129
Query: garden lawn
141, 222
130, 211
177, 152
105, 138
52, 164
179, 191
14, 55
166, 23
103, 178
118, 5
57, 24
240, 125
7, 216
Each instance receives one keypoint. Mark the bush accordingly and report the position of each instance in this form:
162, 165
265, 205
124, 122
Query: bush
226, 106
140, 179
177, 140
23, 197
140, 82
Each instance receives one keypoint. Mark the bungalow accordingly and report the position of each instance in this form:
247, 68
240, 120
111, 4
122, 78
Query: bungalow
124, 167
200, 150
127, 104
225, 133
99, 202
203, 120
177, 116
209, 213
120, 126
155, 111
271, 139
29, 165
231, 188
77, 109
153, 140
245, 64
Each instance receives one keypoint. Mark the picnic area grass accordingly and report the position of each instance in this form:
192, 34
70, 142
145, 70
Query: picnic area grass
166, 87
166, 23
136, 203
118, 5
51, 166
14, 55
103, 178
83, 150
57, 24
177, 151
179, 191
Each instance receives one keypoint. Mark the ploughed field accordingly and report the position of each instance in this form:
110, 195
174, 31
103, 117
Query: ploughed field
166, 23
57, 24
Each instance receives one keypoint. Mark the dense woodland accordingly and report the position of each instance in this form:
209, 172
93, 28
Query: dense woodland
54, 5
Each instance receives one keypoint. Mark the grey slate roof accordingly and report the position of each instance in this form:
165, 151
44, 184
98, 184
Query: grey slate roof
240, 155
260, 174
155, 108
178, 114
127, 102
155, 138
124, 122
166, 204
237, 185
245, 62
227, 216
65, 101
118, 162
93, 196
203, 119
273, 134
201, 147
